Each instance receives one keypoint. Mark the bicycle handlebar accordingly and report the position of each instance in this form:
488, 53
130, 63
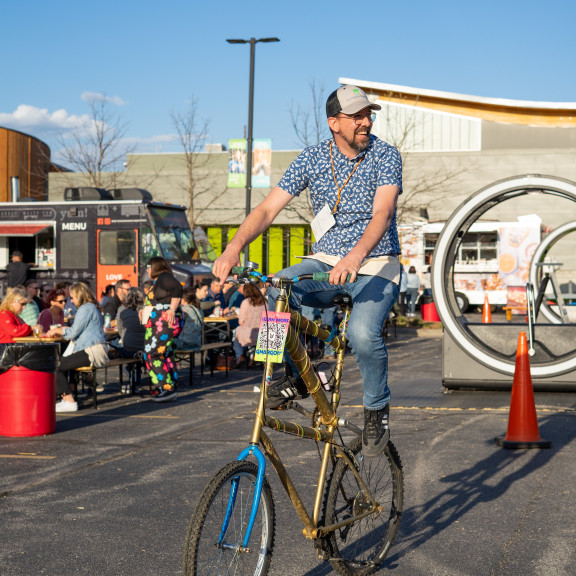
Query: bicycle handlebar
277, 280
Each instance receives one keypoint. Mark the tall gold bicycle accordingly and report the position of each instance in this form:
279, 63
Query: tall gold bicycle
357, 506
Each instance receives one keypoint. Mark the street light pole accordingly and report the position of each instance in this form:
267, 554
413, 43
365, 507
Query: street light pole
252, 42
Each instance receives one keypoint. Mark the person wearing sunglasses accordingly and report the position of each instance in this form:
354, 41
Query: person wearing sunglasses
54, 314
11, 325
353, 179
45, 291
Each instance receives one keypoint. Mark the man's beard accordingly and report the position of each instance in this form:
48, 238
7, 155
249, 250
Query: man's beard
355, 144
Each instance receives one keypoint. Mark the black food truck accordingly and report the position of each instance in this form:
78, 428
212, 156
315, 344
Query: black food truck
101, 236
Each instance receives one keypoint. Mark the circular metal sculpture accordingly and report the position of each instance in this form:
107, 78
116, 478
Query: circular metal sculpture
488, 346
539, 257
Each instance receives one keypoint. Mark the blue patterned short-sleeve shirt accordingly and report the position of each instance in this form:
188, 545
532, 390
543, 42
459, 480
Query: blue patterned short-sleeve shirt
380, 165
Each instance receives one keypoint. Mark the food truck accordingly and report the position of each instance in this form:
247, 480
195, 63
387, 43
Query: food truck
493, 258
101, 236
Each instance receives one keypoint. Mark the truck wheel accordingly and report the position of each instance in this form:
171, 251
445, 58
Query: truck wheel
462, 302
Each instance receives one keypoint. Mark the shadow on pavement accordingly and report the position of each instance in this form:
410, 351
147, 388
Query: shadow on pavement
476, 486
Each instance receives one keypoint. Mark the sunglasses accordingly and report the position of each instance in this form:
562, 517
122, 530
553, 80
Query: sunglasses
60, 301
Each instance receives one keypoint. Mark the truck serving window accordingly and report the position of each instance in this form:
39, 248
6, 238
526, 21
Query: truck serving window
478, 246
174, 234
117, 247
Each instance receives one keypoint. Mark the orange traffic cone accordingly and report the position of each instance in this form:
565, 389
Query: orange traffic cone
486, 313
522, 422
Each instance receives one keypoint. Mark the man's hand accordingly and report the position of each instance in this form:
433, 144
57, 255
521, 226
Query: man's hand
349, 265
224, 264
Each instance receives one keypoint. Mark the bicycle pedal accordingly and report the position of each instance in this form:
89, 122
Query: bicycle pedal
286, 406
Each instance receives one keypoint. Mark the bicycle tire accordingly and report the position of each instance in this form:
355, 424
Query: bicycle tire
202, 555
360, 548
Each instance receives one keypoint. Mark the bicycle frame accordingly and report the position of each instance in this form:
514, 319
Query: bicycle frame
327, 409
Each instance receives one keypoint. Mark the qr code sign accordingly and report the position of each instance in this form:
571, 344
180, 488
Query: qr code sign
272, 336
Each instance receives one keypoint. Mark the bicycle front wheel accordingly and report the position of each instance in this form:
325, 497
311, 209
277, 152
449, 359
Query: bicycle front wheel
206, 553
360, 548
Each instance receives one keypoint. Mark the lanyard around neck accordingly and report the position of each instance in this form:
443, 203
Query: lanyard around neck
336, 181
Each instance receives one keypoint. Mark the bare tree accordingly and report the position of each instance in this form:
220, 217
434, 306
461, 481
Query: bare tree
192, 133
310, 127
309, 122
426, 183
98, 148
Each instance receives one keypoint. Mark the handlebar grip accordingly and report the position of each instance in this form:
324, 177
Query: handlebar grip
321, 276
325, 277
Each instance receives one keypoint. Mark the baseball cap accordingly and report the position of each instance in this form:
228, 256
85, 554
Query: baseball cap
348, 100
18, 254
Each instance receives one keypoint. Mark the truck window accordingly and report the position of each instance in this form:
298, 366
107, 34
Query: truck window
430, 241
117, 247
149, 247
173, 234
74, 249
478, 246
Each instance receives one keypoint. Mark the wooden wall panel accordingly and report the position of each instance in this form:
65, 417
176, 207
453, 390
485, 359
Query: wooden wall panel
27, 158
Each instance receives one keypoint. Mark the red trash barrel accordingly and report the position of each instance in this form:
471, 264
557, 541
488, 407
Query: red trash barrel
28, 399
428, 309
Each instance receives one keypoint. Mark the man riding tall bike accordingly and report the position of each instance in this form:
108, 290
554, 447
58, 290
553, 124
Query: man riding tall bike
354, 180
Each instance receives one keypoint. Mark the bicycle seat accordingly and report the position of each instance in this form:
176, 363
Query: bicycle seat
343, 300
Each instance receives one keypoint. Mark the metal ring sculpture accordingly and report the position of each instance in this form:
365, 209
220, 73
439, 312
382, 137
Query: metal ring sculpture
539, 256
445, 255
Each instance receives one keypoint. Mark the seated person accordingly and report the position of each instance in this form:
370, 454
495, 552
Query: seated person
191, 336
130, 330
107, 295
249, 317
113, 304
54, 314
237, 298
11, 325
87, 335
214, 298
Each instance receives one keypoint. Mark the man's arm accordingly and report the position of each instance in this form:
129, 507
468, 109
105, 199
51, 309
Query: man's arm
255, 223
385, 200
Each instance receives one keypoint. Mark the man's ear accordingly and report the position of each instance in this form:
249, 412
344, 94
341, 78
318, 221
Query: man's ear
334, 124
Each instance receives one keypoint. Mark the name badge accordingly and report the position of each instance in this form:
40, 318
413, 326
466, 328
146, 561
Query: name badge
322, 222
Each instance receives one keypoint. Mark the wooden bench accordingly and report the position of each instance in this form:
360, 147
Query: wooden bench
509, 309
135, 376
189, 356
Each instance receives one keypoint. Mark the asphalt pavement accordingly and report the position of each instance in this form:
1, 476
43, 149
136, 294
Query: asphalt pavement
112, 491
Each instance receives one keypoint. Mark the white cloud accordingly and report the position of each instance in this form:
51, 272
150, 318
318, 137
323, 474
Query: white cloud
39, 121
97, 96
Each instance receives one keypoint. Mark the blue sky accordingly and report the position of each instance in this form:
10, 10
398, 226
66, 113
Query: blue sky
152, 57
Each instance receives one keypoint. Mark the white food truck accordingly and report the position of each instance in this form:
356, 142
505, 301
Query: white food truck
493, 258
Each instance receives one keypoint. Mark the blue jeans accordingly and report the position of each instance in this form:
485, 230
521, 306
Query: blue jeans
412, 297
373, 299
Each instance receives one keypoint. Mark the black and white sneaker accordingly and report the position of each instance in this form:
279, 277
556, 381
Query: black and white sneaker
285, 390
163, 395
376, 431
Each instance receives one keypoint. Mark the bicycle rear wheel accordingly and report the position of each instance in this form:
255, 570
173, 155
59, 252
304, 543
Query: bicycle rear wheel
361, 548
203, 555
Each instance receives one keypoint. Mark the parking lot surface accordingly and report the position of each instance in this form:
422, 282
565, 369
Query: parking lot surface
112, 491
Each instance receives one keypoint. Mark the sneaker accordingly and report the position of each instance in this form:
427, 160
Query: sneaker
65, 406
376, 431
284, 390
163, 395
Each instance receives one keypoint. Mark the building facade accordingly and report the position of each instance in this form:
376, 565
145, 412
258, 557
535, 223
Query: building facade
452, 146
